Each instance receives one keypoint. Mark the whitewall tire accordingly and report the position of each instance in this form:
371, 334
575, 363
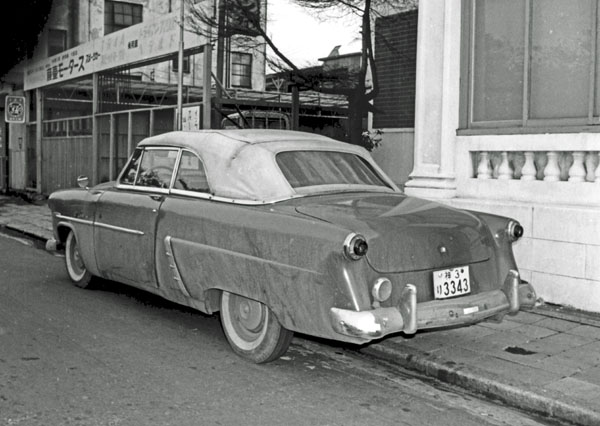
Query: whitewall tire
76, 269
252, 329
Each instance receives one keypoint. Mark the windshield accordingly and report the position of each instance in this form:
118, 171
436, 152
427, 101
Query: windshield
324, 168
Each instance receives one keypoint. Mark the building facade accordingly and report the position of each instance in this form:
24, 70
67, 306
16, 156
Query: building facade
396, 59
75, 22
507, 121
104, 75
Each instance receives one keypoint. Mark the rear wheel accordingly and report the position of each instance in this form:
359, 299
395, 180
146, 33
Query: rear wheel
252, 329
75, 266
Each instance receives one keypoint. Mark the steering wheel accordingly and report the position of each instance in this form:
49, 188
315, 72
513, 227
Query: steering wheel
158, 176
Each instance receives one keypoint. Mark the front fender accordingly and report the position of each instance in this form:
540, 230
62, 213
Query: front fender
75, 210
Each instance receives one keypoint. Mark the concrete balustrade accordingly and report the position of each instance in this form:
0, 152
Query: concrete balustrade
549, 166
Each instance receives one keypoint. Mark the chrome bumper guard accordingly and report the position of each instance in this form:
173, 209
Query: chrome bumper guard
408, 316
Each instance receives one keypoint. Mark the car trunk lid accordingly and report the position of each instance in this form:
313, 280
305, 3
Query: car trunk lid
405, 233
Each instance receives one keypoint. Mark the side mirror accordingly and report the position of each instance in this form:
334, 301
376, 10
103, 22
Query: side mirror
83, 182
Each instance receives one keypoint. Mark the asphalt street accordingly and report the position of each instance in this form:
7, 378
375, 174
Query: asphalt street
119, 356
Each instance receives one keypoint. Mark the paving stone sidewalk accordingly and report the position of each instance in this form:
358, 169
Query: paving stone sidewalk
30, 218
545, 360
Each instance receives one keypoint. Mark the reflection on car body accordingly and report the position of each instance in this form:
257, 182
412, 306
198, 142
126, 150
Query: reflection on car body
286, 232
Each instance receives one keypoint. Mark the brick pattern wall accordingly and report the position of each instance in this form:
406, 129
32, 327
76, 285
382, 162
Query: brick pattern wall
396, 60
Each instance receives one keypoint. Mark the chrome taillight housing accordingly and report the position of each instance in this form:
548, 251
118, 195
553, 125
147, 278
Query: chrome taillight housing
514, 230
355, 246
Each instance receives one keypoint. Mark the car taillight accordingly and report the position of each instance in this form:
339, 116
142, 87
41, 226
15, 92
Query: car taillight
514, 230
355, 246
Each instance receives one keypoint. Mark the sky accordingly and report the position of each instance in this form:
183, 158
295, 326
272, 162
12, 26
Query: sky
303, 37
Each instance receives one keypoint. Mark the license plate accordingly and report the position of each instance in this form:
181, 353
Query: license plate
451, 282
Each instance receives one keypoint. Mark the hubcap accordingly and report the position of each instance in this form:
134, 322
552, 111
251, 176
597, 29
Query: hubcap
77, 259
249, 317
76, 262
250, 314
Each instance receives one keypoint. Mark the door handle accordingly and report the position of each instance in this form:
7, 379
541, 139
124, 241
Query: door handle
157, 197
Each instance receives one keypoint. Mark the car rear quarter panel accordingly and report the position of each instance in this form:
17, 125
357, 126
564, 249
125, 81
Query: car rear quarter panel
293, 264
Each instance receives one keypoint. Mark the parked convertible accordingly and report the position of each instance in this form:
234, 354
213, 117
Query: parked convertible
286, 232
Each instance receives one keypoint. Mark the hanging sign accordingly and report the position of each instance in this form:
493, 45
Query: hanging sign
14, 109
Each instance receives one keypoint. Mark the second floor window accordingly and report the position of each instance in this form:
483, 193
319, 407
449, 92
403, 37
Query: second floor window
241, 70
119, 15
186, 64
57, 41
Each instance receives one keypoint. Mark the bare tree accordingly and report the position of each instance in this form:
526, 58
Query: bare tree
355, 87
250, 30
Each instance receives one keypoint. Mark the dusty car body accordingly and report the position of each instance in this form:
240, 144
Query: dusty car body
286, 232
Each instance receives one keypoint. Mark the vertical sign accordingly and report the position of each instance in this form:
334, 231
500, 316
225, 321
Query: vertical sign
14, 111
190, 118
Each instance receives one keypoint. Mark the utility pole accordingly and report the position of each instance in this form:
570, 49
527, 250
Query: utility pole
220, 45
221, 12
180, 66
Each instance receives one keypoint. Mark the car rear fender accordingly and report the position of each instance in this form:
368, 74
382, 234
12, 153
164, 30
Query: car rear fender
293, 264
502, 245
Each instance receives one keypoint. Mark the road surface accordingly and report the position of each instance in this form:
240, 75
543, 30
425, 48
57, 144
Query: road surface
119, 356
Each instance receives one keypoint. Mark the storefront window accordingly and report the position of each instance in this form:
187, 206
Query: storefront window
498, 65
561, 54
530, 63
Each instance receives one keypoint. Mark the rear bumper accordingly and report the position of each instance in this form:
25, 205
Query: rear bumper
409, 316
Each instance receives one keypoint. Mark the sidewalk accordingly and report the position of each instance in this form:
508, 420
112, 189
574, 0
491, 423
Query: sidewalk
546, 360
31, 219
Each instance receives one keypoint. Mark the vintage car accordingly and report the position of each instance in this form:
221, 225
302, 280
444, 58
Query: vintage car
285, 232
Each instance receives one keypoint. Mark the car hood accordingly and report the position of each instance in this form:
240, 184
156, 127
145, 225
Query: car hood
406, 233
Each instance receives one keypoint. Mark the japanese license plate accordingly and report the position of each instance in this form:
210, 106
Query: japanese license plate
451, 282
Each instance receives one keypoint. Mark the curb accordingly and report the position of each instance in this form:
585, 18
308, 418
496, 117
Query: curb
471, 380
27, 234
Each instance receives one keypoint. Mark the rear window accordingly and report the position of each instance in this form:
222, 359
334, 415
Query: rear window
316, 168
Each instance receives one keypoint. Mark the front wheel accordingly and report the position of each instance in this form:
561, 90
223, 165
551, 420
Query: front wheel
252, 329
76, 269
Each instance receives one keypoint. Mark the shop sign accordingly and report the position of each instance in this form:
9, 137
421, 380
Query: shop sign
190, 118
136, 44
14, 109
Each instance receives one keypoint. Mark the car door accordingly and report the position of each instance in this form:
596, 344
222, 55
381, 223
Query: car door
126, 217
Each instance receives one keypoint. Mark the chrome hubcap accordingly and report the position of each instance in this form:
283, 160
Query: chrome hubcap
249, 317
250, 314
76, 261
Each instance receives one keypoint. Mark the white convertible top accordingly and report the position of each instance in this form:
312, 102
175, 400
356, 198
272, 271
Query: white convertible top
240, 164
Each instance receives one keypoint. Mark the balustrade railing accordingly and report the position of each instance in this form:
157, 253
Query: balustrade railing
549, 166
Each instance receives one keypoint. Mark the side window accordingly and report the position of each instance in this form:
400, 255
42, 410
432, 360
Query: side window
156, 168
191, 175
130, 172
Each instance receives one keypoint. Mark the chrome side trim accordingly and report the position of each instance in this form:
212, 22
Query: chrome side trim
74, 219
142, 189
210, 197
173, 265
99, 224
119, 229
